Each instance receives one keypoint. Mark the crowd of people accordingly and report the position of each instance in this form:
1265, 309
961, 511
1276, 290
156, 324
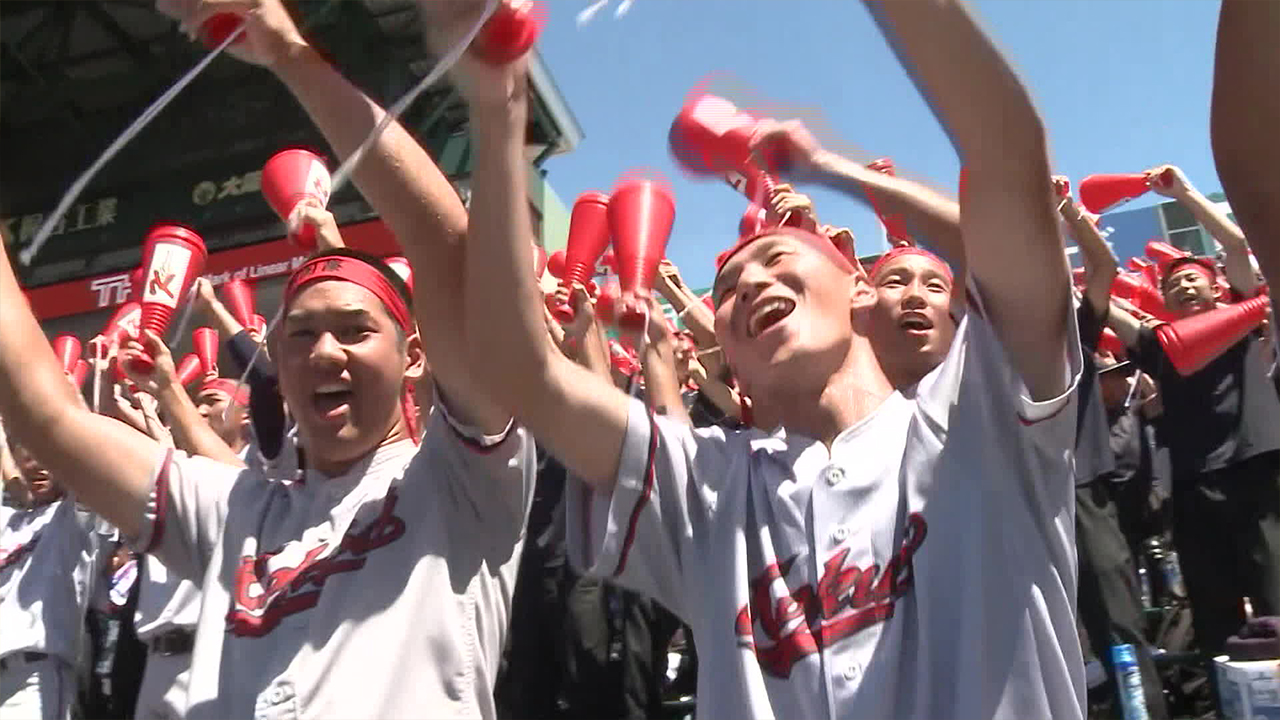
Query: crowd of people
919, 488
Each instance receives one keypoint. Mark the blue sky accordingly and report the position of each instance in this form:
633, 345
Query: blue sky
1122, 85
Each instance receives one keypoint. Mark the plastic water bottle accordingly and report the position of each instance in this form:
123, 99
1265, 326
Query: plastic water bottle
1173, 574
1144, 584
1129, 682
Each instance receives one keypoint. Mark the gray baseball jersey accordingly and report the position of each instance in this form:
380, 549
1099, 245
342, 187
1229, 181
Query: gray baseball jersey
50, 558
384, 592
923, 568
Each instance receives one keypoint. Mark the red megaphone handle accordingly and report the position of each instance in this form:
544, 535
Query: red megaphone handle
142, 364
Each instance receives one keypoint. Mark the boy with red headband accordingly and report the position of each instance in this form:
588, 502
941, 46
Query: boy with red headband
380, 585
881, 554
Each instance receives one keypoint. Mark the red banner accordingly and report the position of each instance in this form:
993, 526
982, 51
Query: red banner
267, 259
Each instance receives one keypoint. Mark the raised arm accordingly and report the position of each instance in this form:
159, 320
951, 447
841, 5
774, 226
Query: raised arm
1235, 249
190, 431
1099, 264
106, 464
578, 415
1243, 121
396, 176
1003, 209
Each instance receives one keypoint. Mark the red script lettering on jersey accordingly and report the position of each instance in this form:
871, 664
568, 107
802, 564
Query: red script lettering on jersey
847, 599
263, 598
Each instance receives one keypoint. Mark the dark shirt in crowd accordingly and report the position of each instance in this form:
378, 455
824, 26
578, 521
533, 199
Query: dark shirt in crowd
1219, 416
266, 406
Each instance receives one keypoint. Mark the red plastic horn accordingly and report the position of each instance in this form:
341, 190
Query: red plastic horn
1137, 291
1163, 253
400, 265
67, 348
555, 264
1100, 193
607, 303
641, 212
79, 373
123, 324
1111, 342
205, 342
135, 283
174, 257
753, 221
588, 237
259, 324
239, 297
893, 224
509, 32
1078, 276
218, 28
711, 136
1193, 342
291, 177
189, 370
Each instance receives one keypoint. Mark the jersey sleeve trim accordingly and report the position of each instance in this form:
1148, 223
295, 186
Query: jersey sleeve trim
160, 496
470, 435
645, 493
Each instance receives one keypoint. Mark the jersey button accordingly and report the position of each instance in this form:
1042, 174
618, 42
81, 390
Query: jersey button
840, 534
834, 474
851, 672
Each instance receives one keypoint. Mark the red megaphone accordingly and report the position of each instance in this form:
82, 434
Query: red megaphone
205, 342
1194, 341
1134, 289
588, 237
710, 136
1147, 269
607, 303
123, 324
1077, 276
291, 177
1163, 253
641, 212
893, 225
509, 32
555, 264
79, 373
220, 27
754, 220
258, 324
1100, 193
174, 257
401, 266
239, 297
189, 370
67, 348
1111, 343
621, 360
135, 283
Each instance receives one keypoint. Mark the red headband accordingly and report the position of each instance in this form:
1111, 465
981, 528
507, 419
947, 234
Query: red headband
352, 270
223, 385
355, 270
814, 240
902, 250
1202, 265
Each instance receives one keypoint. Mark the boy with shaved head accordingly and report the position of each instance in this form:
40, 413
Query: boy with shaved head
882, 553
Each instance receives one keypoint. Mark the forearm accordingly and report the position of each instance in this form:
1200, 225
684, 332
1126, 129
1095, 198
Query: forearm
1005, 211
224, 321
1125, 325
190, 431
593, 352
1245, 115
1235, 248
927, 213
722, 396
1100, 266
661, 384
698, 319
42, 414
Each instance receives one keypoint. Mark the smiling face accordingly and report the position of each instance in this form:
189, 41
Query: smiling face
783, 313
911, 326
230, 425
1188, 291
342, 366
39, 484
